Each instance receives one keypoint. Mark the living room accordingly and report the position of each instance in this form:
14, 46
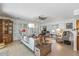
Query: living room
39, 29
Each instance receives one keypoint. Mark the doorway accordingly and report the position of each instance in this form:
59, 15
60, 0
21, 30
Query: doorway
77, 26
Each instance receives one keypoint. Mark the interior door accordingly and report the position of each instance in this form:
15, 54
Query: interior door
77, 26
1, 31
77, 42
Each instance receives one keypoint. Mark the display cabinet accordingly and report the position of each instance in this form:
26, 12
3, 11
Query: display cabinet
6, 31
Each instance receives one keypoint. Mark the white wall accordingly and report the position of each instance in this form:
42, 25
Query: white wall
17, 26
62, 23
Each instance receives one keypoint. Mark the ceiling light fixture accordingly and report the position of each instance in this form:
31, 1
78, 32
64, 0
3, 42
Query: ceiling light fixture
42, 17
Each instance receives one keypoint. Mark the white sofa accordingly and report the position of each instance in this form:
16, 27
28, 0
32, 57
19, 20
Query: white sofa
29, 42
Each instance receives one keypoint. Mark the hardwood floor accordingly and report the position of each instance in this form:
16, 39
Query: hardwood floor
60, 49
18, 49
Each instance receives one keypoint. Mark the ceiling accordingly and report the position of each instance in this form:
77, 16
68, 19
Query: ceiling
31, 11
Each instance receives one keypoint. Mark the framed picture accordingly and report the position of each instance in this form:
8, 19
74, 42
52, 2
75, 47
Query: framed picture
69, 25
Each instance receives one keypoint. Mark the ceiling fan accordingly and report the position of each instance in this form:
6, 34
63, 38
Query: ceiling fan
42, 17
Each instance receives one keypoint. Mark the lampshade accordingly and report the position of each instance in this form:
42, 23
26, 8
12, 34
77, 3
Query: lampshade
58, 29
31, 25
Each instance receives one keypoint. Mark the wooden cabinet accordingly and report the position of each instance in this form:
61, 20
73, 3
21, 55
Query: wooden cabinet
77, 42
42, 50
77, 24
6, 31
